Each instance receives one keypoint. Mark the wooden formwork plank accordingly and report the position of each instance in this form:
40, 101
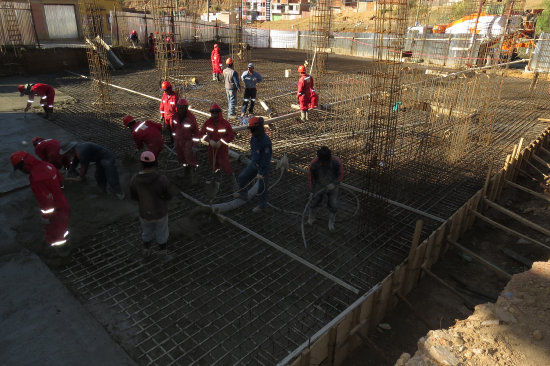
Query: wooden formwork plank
367, 312
474, 206
384, 298
416, 271
430, 247
440, 236
398, 283
318, 351
331, 346
343, 342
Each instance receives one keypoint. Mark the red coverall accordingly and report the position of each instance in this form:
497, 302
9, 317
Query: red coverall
168, 108
305, 84
148, 134
216, 61
45, 92
46, 182
222, 131
186, 134
48, 151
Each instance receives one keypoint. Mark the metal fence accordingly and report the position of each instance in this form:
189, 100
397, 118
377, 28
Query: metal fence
540, 59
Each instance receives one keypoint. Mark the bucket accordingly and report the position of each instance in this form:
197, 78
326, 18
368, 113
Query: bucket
287, 73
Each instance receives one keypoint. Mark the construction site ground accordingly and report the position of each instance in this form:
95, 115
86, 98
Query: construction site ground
226, 297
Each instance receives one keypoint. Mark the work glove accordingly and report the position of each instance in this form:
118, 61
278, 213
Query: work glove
220, 65
259, 176
330, 187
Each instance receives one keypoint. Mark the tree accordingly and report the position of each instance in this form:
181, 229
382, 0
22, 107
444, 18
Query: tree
543, 20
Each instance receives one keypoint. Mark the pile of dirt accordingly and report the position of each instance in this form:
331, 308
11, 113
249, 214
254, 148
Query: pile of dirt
514, 331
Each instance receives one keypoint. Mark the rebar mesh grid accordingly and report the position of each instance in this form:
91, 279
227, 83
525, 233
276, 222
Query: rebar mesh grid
229, 298
319, 26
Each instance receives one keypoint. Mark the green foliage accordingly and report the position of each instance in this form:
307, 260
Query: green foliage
543, 19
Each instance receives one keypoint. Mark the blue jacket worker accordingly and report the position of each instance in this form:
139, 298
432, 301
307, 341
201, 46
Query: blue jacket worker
250, 79
260, 147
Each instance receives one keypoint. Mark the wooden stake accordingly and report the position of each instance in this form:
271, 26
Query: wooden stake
508, 230
544, 119
514, 215
470, 305
544, 150
525, 189
540, 160
416, 313
534, 167
480, 259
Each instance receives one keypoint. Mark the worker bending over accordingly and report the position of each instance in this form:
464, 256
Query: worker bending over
325, 174
48, 151
44, 91
146, 134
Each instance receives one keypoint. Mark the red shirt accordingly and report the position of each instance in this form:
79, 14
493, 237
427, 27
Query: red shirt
148, 133
305, 84
168, 105
48, 150
220, 131
41, 89
186, 129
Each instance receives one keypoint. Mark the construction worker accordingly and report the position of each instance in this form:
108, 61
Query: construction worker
219, 133
216, 63
232, 86
168, 106
261, 151
48, 151
305, 86
151, 43
250, 79
133, 38
84, 153
152, 191
325, 174
186, 136
44, 91
146, 134
46, 183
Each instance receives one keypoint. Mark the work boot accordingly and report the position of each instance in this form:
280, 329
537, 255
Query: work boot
146, 251
307, 116
163, 253
311, 218
331, 220
214, 77
303, 116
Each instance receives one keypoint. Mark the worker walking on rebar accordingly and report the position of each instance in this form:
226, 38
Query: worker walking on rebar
324, 175
84, 153
146, 134
46, 183
216, 60
250, 79
152, 191
305, 86
260, 160
48, 151
44, 91
168, 106
218, 133
232, 87
186, 138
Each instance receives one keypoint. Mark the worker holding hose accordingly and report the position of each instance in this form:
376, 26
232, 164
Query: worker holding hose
325, 174
218, 133
261, 151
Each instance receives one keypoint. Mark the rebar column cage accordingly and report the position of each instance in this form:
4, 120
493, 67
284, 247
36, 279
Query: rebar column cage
168, 47
319, 26
96, 51
240, 49
11, 26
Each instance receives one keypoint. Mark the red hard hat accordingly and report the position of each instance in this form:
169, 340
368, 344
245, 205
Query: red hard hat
21, 88
168, 39
166, 85
215, 108
36, 140
215, 45
134, 31
17, 158
182, 102
229, 61
255, 121
127, 120
301, 68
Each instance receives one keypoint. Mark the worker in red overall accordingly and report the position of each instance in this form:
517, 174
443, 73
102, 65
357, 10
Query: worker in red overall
146, 134
219, 133
44, 91
48, 151
305, 86
216, 63
46, 183
168, 106
186, 137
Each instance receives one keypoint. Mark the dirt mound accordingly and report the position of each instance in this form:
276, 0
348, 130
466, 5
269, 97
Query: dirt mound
512, 332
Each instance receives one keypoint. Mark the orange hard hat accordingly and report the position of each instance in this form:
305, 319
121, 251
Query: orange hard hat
17, 159
215, 108
182, 102
301, 68
215, 45
255, 121
229, 61
36, 140
166, 85
127, 120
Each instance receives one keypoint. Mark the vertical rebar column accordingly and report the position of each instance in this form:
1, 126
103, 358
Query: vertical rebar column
96, 51
240, 50
12, 28
319, 26
385, 101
